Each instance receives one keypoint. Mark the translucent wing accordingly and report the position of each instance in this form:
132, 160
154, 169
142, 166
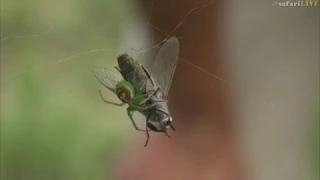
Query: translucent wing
165, 64
108, 78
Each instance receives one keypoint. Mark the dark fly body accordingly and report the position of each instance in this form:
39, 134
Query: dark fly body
158, 117
137, 88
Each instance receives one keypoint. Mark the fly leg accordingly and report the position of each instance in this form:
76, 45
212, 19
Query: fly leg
138, 107
116, 104
117, 69
129, 110
143, 108
145, 100
172, 128
167, 134
147, 132
148, 136
124, 77
161, 101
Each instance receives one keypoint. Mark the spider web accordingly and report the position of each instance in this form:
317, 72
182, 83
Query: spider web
197, 7
77, 55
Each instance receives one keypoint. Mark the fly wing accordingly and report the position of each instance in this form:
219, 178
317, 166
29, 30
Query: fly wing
165, 64
108, 78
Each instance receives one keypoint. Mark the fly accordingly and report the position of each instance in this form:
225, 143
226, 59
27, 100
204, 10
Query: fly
136, 87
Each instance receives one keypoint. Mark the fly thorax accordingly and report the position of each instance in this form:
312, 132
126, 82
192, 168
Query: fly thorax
125, 91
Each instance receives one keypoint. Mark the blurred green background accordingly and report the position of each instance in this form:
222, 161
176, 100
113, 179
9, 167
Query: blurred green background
53, 123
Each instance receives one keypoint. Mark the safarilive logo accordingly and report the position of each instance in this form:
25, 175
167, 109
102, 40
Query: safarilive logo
314, 3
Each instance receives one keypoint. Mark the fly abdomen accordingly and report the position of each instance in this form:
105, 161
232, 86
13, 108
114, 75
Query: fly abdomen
127, 66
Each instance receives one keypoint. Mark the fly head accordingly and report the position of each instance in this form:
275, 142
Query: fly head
159, 121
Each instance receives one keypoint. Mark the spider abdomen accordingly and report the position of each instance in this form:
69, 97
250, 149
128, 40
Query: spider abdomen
125, 91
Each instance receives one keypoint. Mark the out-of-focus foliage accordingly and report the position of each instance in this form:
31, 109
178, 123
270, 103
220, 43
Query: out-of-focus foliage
53, 122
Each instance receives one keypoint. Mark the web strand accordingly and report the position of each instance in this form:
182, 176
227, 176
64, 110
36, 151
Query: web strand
199, 6
195, 8
205, 71
53, 63
28, 36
